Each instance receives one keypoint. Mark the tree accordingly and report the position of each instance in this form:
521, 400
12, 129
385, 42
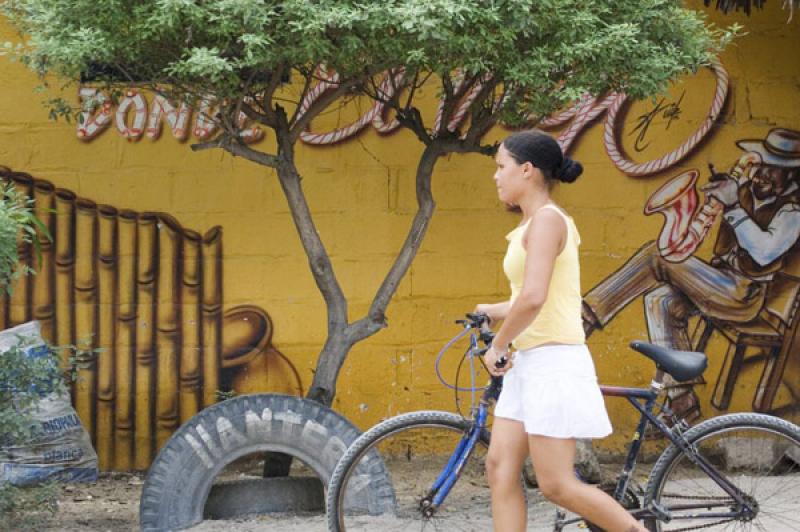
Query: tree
515, 61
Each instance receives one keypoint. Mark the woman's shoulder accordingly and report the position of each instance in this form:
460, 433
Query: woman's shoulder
552, 207
552, 218
551, 215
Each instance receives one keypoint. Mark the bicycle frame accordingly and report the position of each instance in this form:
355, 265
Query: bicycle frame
448, 477
635, 396
643, 399
452, 471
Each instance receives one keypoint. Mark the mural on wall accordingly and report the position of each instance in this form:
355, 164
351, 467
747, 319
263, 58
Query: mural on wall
748, 292
147, 294
134, 118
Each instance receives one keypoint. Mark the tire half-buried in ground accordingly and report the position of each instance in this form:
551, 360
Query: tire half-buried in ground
179, 480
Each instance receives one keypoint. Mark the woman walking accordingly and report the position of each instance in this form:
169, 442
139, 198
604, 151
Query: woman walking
550, 393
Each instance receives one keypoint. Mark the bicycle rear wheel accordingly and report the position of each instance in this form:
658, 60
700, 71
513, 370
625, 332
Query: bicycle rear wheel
759, 454
414, 449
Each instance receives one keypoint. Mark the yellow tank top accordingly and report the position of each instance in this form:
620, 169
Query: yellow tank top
559, 320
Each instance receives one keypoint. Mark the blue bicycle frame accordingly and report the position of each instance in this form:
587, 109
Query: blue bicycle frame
644, 400
451, 472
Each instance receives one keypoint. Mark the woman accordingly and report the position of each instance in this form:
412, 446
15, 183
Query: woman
550, 394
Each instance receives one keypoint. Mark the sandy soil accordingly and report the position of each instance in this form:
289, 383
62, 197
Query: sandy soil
112, 504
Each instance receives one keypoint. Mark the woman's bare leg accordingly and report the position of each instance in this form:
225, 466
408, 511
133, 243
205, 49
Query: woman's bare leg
507, 451
554, 462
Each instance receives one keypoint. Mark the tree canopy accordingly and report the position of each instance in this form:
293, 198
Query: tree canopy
282, 62
543, 53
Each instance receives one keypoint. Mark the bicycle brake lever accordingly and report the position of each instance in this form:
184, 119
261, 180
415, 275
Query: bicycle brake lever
479, 319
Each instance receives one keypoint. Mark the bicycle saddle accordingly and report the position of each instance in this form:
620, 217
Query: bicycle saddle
682, 365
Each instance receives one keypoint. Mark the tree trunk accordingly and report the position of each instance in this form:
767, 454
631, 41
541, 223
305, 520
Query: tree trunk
341, 335
334, 353
279, 464
329, 363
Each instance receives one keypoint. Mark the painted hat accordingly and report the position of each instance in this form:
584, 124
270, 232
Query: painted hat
780, 148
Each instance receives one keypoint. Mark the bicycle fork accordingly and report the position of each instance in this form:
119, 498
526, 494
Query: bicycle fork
447, 478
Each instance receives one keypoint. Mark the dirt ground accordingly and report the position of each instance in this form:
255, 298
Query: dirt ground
112, 504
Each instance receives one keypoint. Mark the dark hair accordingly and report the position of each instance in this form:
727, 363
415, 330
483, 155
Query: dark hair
543, 152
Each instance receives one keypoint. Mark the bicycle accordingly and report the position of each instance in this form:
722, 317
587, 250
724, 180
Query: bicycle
734, 470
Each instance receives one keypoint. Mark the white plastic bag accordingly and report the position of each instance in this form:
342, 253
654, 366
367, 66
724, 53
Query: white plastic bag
62, 450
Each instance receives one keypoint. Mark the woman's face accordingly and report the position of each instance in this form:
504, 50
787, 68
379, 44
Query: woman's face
510, 177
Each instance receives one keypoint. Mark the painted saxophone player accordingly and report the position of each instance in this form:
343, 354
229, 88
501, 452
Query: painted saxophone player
753, 277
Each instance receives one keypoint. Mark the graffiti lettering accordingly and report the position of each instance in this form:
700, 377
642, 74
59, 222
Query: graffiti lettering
258, 426
668, 111
199, 450
290, 420
206, 437
97, 115
228, 435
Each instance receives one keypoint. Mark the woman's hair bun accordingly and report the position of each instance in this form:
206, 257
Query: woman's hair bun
569, 170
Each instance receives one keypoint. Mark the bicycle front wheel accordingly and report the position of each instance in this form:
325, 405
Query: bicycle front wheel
759, 454
384, 480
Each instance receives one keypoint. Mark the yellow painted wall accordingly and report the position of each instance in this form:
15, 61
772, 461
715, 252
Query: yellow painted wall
362, 194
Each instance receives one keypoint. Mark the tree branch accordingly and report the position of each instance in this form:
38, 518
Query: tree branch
318, 259
211, 144
451, 103
274, 81
301, 122
308, 76
262, 118
376, 316
236, 147
484, 114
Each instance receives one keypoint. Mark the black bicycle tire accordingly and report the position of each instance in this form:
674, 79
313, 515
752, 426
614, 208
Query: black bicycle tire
724, 423
342, 471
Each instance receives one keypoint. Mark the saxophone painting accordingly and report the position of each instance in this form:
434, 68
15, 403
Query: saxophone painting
146, 295
747, 293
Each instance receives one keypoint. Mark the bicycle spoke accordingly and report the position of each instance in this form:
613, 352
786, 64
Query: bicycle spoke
413, 454
754, 457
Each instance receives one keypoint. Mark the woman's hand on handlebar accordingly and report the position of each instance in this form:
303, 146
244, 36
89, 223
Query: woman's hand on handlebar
493, 358
495, 311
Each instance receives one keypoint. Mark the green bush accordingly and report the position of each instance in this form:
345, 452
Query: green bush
18, 227
22, 378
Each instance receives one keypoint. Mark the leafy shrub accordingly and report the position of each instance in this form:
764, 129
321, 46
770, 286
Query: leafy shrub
23, 378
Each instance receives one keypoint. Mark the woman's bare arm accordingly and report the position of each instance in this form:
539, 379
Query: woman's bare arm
543, 242
495, 311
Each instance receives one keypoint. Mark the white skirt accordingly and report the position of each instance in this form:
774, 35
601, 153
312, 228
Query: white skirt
553, 391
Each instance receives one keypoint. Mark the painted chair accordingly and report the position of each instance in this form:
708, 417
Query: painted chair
772, 338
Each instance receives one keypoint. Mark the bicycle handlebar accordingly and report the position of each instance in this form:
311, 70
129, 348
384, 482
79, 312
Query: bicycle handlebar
481, 320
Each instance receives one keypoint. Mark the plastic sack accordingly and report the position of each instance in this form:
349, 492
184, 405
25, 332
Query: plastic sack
61, 450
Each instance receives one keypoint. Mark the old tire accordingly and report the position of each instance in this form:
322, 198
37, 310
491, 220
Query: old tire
179, 480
